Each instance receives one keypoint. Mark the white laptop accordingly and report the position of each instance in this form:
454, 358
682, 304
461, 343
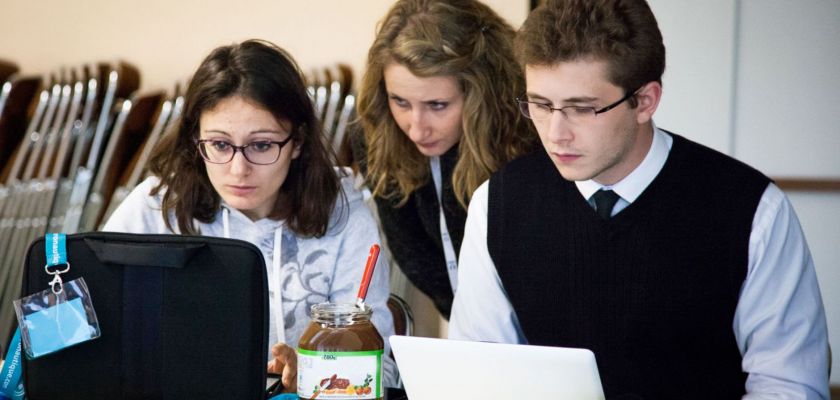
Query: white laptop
452, 369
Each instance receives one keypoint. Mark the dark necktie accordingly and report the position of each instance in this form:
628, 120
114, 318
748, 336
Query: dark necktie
604, 202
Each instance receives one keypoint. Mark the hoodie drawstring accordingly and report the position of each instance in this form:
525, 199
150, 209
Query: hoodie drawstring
276, 260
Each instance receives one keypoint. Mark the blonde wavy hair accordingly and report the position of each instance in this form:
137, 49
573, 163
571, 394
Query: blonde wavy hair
464, 39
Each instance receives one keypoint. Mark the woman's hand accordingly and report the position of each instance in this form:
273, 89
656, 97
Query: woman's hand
285, 365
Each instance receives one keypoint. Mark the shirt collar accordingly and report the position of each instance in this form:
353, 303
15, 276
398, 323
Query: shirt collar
632, 186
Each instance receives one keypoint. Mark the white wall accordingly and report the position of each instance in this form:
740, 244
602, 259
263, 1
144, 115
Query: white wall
697, 102
787, 123
757, 79
788, 87
167, 39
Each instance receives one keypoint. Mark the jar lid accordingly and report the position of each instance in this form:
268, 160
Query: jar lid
344, 312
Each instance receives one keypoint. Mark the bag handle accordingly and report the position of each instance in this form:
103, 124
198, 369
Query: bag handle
146, 255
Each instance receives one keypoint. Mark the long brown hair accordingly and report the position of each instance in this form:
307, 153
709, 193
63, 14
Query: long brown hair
464, 39
265, 74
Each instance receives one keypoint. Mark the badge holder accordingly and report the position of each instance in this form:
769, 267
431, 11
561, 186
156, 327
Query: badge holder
58, 317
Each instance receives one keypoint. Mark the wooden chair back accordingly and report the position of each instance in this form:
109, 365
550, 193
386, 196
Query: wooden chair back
130, 131
7, 69
19, 102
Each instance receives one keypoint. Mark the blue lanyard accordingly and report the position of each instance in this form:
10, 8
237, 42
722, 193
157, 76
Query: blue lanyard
56, 250
11, 377
285, 396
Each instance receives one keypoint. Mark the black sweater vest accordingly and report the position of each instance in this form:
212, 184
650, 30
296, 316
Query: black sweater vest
652, 291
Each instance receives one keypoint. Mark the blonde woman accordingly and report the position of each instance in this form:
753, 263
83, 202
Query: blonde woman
438, 117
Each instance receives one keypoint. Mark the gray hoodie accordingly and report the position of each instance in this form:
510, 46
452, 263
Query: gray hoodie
312, 270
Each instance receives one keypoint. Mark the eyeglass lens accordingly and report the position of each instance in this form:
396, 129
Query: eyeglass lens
221, 152
541, 112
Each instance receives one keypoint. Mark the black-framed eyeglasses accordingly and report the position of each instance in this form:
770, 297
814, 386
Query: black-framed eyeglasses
538, 111
261, 152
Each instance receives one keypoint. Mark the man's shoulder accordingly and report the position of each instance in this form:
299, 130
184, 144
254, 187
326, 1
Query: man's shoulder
712, 162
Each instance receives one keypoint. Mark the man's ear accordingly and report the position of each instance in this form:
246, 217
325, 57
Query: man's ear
647, 99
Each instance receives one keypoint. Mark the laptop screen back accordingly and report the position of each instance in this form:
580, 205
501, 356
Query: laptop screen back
443, 369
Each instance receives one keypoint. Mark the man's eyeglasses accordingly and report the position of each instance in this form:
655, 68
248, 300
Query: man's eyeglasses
262, 152
538, 111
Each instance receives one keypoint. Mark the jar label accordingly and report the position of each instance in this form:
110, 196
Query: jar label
340, 374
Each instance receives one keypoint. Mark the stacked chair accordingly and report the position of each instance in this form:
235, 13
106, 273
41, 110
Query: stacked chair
118, 83
335, 103
166, 120
7, 69
75, 143
69, 145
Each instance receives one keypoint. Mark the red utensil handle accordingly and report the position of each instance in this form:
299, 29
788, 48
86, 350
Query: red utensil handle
369, 266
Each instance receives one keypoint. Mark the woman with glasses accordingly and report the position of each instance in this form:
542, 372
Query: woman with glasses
437, 108
248, 161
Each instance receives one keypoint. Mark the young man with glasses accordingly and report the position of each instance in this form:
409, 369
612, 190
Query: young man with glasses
684, 270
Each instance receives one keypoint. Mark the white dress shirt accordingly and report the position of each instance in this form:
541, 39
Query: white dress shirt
779, 323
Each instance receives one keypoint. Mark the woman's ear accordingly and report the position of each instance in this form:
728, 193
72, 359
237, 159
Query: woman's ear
647, 98
296, 150
296, 132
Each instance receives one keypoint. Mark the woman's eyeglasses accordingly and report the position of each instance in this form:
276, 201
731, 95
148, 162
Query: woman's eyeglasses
261, 152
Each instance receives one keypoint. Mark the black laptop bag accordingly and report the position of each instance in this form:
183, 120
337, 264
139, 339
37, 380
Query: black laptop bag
181, 317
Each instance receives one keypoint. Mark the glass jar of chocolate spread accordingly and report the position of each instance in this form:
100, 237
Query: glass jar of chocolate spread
340, 354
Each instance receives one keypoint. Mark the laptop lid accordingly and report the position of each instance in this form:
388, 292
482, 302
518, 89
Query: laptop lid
443, 369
